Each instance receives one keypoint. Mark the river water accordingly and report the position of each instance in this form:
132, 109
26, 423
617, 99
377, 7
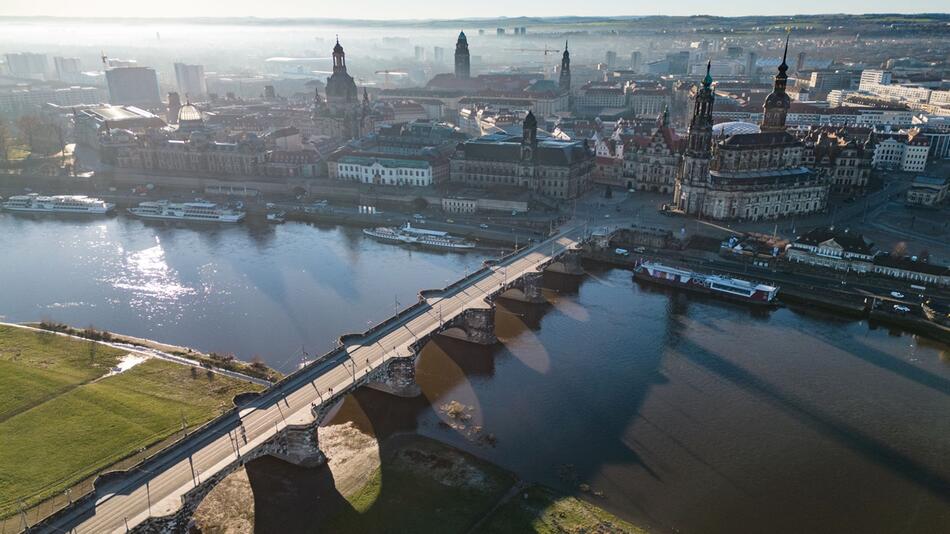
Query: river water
684, 413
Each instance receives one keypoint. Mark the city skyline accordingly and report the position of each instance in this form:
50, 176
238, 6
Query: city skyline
382, 10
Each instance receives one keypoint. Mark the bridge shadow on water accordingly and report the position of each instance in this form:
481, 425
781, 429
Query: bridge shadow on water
291, 499
651, 461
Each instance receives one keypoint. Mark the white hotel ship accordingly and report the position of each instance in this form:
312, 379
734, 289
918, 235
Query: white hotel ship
34, 203
186, 211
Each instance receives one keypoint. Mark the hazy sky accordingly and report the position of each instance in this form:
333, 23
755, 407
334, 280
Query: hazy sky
385, 9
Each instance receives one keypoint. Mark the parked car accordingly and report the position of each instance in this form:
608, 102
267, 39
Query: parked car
450, 220
901, 309
640, 250
418, 216
897, 294
621, 252
483, 226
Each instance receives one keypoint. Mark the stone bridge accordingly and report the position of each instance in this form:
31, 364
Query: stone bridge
161, 493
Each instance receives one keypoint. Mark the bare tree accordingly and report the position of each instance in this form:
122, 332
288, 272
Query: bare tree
4, 142
28, 127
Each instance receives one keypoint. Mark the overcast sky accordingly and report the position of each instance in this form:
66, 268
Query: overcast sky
388, 9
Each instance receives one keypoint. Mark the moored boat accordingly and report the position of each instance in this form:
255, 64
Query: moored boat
187, 211
35, 203
418, 236
711, 284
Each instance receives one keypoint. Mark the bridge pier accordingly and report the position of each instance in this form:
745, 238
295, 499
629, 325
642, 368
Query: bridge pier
299, 445
528, 288
477, 325
568, 263
399, 378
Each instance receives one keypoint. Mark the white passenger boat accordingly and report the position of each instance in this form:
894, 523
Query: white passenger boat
187, 211
722, 286
418, 236
35, 203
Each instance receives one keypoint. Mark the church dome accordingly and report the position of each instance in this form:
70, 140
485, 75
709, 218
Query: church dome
341, 86
735, 127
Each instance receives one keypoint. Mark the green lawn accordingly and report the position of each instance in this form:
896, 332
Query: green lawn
547, 512
424, 486
37, 366
62, 425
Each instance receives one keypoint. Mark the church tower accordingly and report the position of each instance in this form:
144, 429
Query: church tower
699, 141
690, 189
564, 82
778, 102
463, 66
529, 137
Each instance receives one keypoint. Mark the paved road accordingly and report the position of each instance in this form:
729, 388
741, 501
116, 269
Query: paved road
129, 502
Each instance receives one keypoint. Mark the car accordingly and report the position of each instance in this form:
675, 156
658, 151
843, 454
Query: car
450, 220
621, 252
418, 216
897, 294
606, 215
901, 309
640, 250
483, 226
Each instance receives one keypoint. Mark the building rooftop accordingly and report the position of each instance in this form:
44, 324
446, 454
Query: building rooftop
850, 242
930, 180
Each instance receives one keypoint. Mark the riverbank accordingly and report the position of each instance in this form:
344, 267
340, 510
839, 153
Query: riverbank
73, 408
256, 369
406, 483
841, 297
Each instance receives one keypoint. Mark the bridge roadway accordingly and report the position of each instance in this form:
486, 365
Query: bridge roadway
158, 491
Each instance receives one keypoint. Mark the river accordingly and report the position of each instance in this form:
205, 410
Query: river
686, 414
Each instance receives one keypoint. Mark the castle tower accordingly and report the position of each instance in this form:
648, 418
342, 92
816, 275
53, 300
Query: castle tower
777, 103
463, 66
564, 82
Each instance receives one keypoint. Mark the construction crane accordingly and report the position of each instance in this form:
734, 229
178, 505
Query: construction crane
546, 50
386, 74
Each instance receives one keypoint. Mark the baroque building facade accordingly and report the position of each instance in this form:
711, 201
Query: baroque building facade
843, 162
747, 176
552, 167
653, 164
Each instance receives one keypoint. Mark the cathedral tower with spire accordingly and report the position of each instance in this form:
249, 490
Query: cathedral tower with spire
778, 102
564, 81
689, 193
463, 65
